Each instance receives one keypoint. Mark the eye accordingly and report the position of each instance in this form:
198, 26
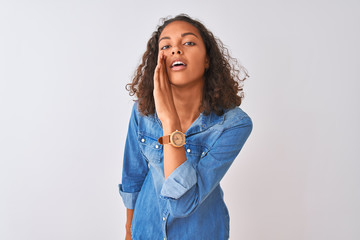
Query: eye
165, 47
189, 44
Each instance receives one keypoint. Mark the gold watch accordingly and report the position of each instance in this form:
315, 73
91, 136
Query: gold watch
177, 139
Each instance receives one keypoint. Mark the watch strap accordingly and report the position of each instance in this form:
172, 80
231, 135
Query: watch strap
164, 139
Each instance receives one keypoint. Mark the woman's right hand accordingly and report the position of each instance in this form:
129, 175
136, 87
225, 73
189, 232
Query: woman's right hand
129, 217
164, 102
128, 235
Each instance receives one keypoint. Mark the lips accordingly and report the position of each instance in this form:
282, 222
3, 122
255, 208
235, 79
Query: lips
178, 65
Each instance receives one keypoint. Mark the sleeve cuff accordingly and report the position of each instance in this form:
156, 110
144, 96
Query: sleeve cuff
182, 179
128, 198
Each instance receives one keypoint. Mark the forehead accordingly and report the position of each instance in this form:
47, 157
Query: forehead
177, 28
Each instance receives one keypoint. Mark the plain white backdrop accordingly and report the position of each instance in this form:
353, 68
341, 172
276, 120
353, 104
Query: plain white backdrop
64, 113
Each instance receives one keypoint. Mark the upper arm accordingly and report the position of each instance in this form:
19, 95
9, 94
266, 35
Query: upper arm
135, 167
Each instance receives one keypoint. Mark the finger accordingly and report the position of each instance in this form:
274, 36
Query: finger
156, 77
161, 68
159, 57
163, 73
157, 70
166, 70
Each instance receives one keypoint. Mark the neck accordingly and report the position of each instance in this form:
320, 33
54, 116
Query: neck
187, 100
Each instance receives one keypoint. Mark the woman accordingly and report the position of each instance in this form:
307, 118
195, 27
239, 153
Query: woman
185, 131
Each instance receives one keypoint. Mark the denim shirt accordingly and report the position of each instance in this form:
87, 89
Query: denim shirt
189, 204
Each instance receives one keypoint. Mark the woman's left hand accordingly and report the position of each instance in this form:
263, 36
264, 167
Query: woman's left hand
164, 102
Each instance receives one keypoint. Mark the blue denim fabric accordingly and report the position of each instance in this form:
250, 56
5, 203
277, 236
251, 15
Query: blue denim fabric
189, 204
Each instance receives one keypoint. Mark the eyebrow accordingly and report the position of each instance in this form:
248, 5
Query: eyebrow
182, 35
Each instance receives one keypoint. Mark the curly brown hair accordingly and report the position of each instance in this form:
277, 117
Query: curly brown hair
222, 78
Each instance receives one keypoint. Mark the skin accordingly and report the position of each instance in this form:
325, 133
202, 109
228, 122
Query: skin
178, 94
177, 91
129, 217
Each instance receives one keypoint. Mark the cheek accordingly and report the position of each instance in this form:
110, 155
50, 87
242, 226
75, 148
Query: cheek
198, 70
200, 62
167, 53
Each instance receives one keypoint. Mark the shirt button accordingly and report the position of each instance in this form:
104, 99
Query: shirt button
156, 146
188, 150
204, 126
163, 218
142, 140
203, 153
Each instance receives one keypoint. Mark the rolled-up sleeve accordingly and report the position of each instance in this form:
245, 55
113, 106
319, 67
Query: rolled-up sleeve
129, 198
135, 167
179, 182
188, 186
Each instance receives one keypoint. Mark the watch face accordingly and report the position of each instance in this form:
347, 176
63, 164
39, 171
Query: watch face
178, 139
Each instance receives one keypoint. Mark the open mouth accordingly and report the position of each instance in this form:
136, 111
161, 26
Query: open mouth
177, 64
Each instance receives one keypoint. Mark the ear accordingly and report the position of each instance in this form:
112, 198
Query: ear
207, 62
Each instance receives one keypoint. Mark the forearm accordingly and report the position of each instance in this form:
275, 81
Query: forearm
129, 217
173, 156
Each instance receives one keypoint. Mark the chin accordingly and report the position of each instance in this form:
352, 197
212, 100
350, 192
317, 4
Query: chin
182, 81
179, 83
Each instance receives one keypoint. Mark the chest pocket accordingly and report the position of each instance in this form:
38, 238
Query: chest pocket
150, 147
194, 152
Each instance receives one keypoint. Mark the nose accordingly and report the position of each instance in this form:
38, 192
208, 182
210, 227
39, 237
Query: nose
178, 52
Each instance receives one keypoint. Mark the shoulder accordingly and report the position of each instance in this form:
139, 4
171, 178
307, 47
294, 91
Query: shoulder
145, 123
135, 113
235, 128
234, 123
236, 117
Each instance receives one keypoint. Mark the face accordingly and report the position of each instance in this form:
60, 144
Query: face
185, 53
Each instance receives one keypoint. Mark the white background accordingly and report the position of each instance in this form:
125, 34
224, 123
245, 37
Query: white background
64, 115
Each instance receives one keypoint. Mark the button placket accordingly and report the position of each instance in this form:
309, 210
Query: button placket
164, 225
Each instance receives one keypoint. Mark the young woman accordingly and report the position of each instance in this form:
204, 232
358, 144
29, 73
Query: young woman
185, 131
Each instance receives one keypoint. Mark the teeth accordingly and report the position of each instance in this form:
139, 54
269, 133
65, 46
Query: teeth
177, 63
